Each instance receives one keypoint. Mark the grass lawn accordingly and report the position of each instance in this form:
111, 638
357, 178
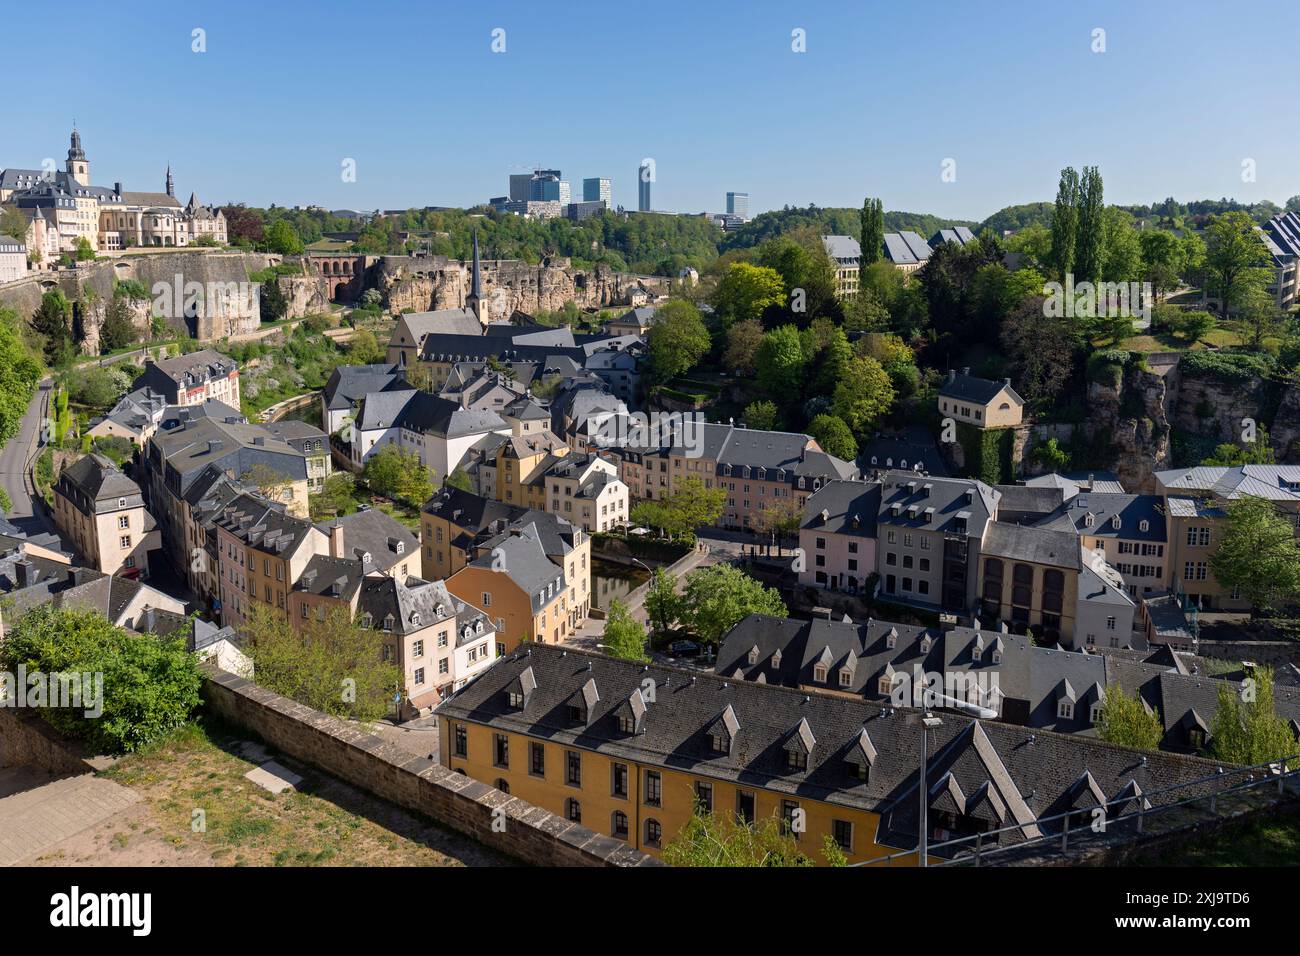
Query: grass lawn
323, 822
1274, 842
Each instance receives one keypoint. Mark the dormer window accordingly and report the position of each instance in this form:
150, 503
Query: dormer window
819, 673
1144, 525
800, 746
753, 655
1089, 520
846, 677
401, 547
1115, 521
415, 618
796, 760
1065, 710
1094, 713
891, 638
388, 622
367, 620
721, 743
626, 725
776, 657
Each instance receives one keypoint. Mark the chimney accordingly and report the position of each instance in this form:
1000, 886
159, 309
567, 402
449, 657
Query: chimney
1006, 382
259, 439
952, 375
24, 573
214, 444
336, 540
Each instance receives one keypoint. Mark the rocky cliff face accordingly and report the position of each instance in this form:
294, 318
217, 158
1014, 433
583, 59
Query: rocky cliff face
424, 283
1211, 408
1285, 433
1130, 423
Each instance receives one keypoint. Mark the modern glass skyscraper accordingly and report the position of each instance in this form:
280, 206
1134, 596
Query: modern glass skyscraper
738, 205
643, 176
596, 189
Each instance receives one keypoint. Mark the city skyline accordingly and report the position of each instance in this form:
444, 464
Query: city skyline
767, 114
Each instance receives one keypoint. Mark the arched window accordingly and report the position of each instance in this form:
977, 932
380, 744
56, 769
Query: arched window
1022, 585
993, 580
1053, 590
653, 832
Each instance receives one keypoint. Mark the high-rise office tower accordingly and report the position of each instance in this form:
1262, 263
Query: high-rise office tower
520, 186
738, 205
643, 176
596, 189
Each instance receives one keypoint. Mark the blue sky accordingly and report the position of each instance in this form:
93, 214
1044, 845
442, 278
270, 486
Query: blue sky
712, 91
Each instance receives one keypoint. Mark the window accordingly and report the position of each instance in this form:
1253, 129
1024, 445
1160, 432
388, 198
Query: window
653, 832
573, 768
537, 760
462, 742
573, 810
618, 783
796, 760
789, 808
125, 541
443, 666
653, 789
417, 648
745, 805
843, 831
619, 825
419, 675
487, 599
503, 785
501, 751
124, 522
1065, 710
704, 796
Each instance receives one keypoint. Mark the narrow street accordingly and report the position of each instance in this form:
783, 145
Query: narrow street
15, 462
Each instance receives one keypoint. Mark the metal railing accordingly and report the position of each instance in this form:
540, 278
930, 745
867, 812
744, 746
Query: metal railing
974, 850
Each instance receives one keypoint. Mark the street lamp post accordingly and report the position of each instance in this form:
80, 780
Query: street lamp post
928, 720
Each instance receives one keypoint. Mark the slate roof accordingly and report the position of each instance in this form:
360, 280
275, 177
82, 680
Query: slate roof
428, 414
1095, 515
906, 248
970, 388
95, 485
170, 375
408, 606
842, 247
843, 502
370, 531
948, 497
524, 560
913, 446
348, 384
987, 761
326, 576
185, 451
1058, 549
1273, 482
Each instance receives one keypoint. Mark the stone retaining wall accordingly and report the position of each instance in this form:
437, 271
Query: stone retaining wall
26, 740
523, 831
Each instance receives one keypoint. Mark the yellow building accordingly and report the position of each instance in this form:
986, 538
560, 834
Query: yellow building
980, 401
100, 512
630, 750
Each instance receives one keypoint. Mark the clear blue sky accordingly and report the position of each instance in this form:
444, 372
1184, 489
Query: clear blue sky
712, 91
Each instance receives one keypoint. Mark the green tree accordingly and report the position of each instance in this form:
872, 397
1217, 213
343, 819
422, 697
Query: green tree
1052, 456
662, 602
333, 665
724, 840
1229, 454
761, 415
863, 396
20, 370
335, 498
780, 362
1122, 251
677, 340
835, 437
1043, 350
397, 473
743, 341
625, 636
746, 291
1258, 554
693, 505
719, 596
1234, 257
1090, 232
1246, 728
364, 349
873, 231
273, 305
458, 479
282, 237
53, 320
865, 312
1161, 260
1065, 222
13, 223
150, 683
118, 330
1125, 720
85, 251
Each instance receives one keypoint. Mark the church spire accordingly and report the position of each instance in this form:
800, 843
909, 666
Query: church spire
476, 285
171, 186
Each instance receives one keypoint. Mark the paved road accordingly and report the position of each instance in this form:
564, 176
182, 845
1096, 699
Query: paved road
15, 459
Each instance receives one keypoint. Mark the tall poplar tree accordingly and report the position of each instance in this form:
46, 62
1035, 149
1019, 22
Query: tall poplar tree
873, 231
1089, 243
1065, 219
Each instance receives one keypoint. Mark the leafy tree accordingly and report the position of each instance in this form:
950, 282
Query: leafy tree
283, 238
150, 683
1090, 232
1123, 251
118, 331
1052, 456
20, 370
397, 473
1065, 221
336, 497
863, 396
332, 665
13, 223
1246, 728
625, 637
364, 348
801, 259
896, 358
85, 251
1193, 326
717, 597
458, 479
1258, 452
873, 231
1258, 318
743, 341
677, 340
693, 505
746, 291
835, 437
761, 415
99, 388
1234, 257
827, 351
864, 311
1125, 720
273, 305
780, 362
1043, 350
1258, 554
53, 320
1161, 259
778, 518
662, 602
271, 483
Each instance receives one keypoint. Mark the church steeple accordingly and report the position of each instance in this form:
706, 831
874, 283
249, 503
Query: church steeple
77, 166
474, 301
171, 186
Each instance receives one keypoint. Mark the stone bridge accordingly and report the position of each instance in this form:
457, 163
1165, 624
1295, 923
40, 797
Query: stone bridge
344, 274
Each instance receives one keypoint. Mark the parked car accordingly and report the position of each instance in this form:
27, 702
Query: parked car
683, 649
